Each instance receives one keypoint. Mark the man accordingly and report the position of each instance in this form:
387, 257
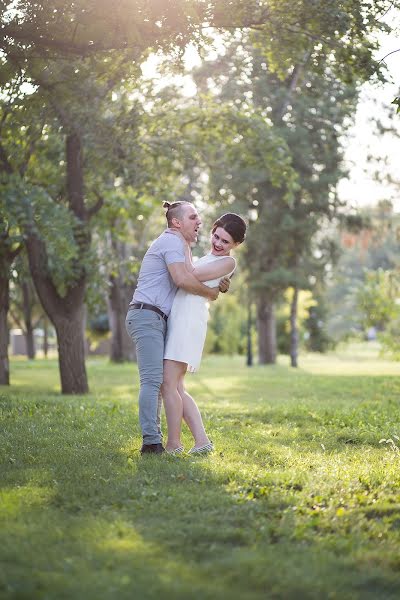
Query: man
163, 270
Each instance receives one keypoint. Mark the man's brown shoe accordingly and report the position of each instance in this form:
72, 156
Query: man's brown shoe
152, 449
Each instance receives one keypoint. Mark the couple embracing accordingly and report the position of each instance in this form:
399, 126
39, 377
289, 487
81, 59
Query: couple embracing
167, 320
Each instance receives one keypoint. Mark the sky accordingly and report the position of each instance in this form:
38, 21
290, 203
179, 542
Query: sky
361, 188
363, 140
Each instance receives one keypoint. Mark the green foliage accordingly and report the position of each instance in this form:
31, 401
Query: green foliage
396, 102
24, 303
286, 206
100, 324
84, 27
279, 165
227, 327
390, 338
378, 299
311, 325
30, 209
317, 338
284, 30
362, 288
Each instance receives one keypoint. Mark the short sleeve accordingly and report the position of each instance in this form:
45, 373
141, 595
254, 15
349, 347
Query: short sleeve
174, 252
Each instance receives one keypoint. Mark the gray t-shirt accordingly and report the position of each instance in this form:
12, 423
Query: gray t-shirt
155, 285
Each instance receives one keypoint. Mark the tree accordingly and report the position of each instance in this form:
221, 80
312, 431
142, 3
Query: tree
19, 134
120, 246
38, 41
25, 310
289, 214
369, 242
377, 299
87, 27
9, 248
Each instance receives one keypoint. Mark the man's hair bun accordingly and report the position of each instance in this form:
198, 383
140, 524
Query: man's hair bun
166, 204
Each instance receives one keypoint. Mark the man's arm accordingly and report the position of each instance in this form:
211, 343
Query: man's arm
224, 283
185, 280
214, 269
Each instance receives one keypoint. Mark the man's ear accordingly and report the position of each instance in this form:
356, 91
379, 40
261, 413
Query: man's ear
176, 223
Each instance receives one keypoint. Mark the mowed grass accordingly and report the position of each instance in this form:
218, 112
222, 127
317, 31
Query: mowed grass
299, 500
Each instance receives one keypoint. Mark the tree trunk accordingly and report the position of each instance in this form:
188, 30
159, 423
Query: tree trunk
71, 353
4, 334
66, 312
266, 326
294, 334
7, 257
67, 315
45, 337
122, 348
27, 309
249, 361
30, 343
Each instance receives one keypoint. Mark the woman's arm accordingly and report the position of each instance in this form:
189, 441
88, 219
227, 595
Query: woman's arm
215, 269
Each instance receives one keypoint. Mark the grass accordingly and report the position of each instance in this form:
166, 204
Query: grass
300, 500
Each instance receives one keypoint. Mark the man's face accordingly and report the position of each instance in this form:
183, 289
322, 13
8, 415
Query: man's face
189, 223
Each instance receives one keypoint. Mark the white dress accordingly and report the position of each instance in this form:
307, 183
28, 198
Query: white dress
187, 323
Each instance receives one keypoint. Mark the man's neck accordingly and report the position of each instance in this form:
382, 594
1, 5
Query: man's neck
175, 229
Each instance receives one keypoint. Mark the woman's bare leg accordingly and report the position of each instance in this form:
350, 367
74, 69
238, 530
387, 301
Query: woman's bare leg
192, 416
173, 403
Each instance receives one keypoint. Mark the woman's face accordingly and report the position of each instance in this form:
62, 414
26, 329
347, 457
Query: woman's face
221, 242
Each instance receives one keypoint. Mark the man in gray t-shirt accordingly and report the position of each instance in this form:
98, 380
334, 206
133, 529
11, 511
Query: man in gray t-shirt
163, 270
155, 285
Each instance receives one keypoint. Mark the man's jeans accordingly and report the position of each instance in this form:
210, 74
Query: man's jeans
148, 330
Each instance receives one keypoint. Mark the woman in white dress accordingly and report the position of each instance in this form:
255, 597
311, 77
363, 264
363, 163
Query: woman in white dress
187, 328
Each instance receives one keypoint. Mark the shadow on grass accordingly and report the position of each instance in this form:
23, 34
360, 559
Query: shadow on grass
83, 513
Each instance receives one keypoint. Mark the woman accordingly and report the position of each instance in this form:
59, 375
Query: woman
187, 328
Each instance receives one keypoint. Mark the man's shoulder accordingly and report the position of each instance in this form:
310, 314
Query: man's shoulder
169, 241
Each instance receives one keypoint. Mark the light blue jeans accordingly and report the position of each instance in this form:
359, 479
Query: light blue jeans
148, 329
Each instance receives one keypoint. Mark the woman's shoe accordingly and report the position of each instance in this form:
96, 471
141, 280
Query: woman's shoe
175, 451
202, 449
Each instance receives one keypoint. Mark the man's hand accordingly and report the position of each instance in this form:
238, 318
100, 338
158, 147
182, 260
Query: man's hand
214, 292
224, 285
183, 278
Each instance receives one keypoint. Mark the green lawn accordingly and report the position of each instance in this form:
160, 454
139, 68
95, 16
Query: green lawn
300, 499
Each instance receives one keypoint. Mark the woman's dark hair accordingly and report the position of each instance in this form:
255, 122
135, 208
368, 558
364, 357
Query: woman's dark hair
174, 210
233, 224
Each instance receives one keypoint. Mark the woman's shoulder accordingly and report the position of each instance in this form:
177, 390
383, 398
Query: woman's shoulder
228, 264
203, 259
210, 257
230, 260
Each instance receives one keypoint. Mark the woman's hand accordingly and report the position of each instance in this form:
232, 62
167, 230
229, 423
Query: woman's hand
224, 285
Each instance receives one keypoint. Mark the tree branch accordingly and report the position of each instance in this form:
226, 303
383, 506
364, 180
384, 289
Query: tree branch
66, 47
17, 321
390, 53
14, 253
65, 119
36, 323
93, 210
30, 149
7, 167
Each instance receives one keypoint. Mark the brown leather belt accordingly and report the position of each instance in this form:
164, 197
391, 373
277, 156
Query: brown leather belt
149, 307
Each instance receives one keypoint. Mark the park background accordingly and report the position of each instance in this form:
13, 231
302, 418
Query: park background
287, 113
